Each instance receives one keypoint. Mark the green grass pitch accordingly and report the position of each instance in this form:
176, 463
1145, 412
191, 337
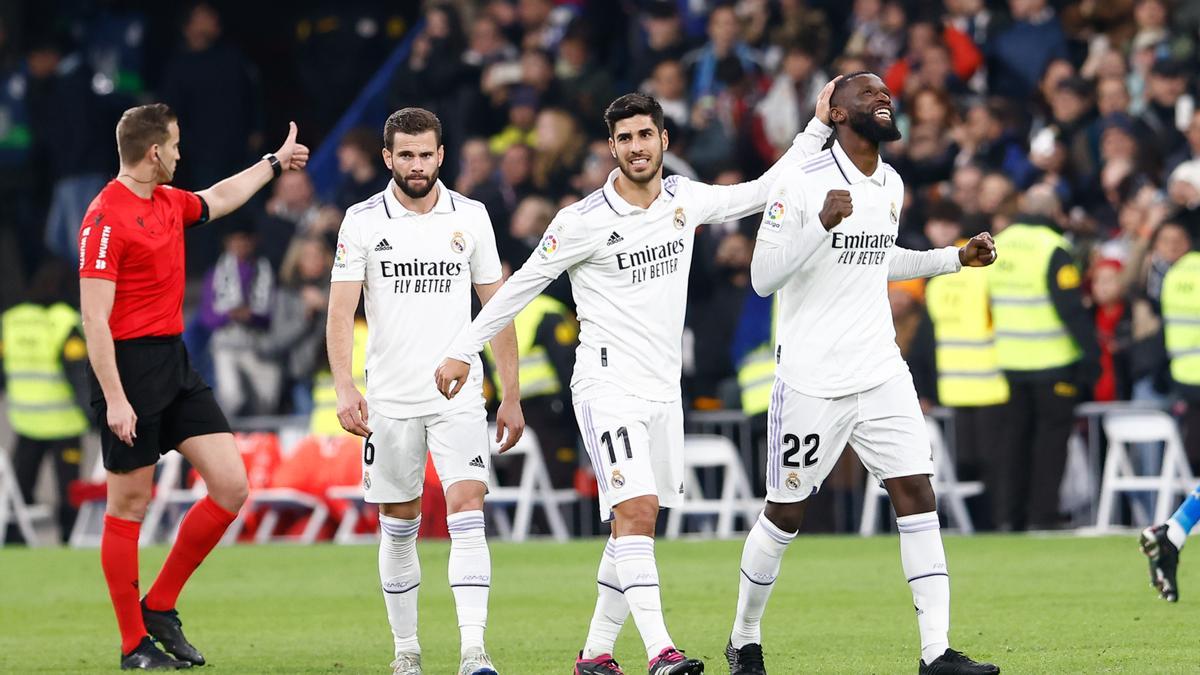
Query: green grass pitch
1030, 604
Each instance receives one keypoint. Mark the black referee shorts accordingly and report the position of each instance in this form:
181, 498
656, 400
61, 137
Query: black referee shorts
172, 402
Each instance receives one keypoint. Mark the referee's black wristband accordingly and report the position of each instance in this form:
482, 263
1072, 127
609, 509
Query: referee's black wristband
276, 167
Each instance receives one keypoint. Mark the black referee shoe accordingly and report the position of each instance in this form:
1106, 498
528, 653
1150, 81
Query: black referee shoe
745, 661
168, 630
149, 657
956, 663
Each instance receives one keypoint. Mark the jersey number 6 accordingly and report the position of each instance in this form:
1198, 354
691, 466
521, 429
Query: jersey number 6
368, 451
810, 457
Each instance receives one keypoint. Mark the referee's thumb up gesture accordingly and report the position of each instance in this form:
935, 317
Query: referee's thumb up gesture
292, 155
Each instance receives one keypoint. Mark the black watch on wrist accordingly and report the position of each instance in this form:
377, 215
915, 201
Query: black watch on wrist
276, 167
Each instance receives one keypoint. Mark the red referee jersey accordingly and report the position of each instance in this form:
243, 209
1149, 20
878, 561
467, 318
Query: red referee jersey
138, 243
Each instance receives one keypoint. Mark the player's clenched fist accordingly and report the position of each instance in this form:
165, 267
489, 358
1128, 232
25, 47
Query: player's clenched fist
979, 251
837, 207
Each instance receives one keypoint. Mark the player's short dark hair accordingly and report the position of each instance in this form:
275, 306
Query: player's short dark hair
411, 122
632, 105
841, 84
142, 127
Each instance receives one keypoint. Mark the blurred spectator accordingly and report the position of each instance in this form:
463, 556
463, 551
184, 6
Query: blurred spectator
236, 306
598, 163
543, 24
876, 33
914, 336
522, 114
790, 102
664, 39
72, 123
529, 223
586, 87
798, 24
487, 45
291, 209
296, 337
1192, 149
1168, 108
986, 138
1110, 313
939, 59
358, 161
668, 85
972, 18
224, 131
558, 152
1018, 55
710, 66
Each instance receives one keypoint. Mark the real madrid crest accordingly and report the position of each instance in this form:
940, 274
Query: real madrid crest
457, 243
366, 480
895, 215
793, 481
617, 479
680, 220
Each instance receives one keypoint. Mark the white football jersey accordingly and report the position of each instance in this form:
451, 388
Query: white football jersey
629, 274
834, 332
417, 272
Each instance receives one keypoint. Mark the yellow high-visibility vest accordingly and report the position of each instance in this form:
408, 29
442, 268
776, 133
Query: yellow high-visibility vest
536, 372
1029, 333
324, 420
41, 401
1181, 318
968, 372
756, 372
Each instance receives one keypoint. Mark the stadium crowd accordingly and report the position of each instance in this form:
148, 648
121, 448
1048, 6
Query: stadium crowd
1080, 114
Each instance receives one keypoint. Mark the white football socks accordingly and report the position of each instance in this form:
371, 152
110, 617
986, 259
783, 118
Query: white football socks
611, 607
639, 579
400, 575
761, 557
924, 563
470, 574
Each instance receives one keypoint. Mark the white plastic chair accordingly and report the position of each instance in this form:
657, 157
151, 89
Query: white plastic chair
951, 493
89, 521
534, 489
275, 501
709, 451
13, 506
1175, 478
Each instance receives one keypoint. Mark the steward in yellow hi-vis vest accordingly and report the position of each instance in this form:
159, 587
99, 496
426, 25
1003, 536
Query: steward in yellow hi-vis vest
324, 419
547, 333
1181, 327
1046, 346
45, 358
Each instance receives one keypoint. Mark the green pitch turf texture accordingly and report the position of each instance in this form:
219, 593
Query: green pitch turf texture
1030, 604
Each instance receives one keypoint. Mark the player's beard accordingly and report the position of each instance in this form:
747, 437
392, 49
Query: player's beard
646, 177
870, 127
416, 193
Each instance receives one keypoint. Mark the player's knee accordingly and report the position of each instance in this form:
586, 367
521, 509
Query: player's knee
911, 494
637, 516
128, 504
231, 495
405, 511
465, 495
787, 517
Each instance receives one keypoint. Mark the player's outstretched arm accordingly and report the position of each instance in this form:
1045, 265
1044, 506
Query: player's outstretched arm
228, 195
510, 421
497, 314
96, 302
979, 251
339, 340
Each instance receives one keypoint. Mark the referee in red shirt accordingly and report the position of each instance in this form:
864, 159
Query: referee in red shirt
131, 278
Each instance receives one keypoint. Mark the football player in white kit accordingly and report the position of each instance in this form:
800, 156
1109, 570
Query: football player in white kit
414, 251
827, 247
628, 249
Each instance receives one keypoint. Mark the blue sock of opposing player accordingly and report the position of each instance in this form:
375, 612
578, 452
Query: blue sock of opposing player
1184, 519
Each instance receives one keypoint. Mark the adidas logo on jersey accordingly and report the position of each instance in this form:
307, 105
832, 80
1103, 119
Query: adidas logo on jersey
615, 238
477, 462
383, 245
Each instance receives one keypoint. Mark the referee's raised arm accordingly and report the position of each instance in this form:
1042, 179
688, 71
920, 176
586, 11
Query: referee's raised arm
226, 196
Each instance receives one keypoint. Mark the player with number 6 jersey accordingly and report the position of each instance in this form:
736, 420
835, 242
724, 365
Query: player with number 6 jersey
627, 248
414, 251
